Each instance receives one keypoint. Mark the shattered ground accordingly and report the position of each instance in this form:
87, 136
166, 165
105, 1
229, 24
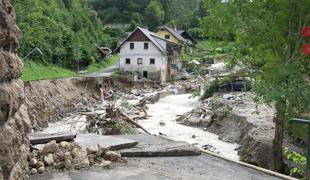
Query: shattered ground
119, 116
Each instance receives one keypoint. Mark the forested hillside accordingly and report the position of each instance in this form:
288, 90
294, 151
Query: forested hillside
182, 13
66, 31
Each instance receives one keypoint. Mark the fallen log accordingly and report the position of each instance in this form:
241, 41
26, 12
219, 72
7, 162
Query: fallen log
131, 121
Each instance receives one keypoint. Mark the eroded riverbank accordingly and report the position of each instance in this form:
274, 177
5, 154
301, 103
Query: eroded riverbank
162, 120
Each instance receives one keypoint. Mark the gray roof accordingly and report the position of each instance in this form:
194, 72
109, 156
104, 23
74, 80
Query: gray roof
151, 36
173, 32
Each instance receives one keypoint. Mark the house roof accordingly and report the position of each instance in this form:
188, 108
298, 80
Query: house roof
173, 32
186, 34
150, 35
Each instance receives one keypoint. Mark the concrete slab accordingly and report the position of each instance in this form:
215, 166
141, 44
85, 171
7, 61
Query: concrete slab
202, 167
43, 138
87, 140
115, 143
156, 146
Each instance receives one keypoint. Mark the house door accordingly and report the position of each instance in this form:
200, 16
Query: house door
169, 66
144, 74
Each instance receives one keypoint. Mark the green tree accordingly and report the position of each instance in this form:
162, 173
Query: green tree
66, 31
154, 14
268, 38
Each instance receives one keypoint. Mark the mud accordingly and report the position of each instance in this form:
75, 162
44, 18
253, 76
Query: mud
52, 100
236, 118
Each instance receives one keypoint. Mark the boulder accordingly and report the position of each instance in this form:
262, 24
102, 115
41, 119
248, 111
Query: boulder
67, 160
112, 156
92, 149
41, 170
104, 164
11, 98
81, 159
50, 147
33, 171
49, 160
33, 162
102, 150
39, 164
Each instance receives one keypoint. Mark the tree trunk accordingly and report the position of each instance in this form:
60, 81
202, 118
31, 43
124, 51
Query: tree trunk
278, 138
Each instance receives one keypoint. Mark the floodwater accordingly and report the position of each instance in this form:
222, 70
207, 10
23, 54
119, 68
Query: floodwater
165, 112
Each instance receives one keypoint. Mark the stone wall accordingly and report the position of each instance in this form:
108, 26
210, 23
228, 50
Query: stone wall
14, 121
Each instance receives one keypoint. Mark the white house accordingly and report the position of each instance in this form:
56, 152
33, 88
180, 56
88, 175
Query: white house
147, 55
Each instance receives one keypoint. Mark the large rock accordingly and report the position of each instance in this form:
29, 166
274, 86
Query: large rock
50, 147
10, 34
14, 142
14, 120
49, 160
11, 98
81, 159
10, 65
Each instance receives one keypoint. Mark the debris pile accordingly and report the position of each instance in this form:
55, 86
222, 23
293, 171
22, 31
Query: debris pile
117, 120
69, 155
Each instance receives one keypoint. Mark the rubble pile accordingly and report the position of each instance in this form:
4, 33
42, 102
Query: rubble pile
117, 119
188, 85
100, 124
69, 155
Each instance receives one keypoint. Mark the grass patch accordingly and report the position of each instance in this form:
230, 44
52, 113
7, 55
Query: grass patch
107, 63
209, 49
35, 71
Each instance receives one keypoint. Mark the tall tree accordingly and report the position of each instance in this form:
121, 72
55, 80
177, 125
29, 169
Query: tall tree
66, 31
154, 14
268, 38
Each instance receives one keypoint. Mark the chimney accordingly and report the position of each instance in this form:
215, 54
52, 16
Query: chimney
175, 28
145, 27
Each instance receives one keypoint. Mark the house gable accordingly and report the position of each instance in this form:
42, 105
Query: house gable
142, 35
174, 36
138, 36
163, 33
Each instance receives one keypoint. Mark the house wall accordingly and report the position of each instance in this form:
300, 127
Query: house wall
163, 33
155, 71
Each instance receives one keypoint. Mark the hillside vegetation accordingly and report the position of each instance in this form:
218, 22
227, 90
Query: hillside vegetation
67, 32
151, 13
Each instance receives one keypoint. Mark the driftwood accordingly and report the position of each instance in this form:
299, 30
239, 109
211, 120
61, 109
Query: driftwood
131, 121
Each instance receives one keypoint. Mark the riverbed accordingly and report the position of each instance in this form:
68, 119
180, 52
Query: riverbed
162, 120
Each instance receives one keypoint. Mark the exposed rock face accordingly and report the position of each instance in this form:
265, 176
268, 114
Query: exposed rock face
14, 121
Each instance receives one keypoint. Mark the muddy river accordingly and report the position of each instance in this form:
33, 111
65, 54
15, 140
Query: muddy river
163, 120
163, 115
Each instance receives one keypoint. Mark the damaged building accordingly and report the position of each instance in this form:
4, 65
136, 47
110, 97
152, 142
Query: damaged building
145, 55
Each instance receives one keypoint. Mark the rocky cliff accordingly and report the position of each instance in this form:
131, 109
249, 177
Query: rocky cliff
14, 121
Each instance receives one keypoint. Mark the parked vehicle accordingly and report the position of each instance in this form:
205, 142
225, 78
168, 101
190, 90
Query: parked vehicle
236, 85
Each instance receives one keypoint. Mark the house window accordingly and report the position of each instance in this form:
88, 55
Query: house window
139, 61
132, 45
144, 74
167, 36
127, 60
152, 61
146, 45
